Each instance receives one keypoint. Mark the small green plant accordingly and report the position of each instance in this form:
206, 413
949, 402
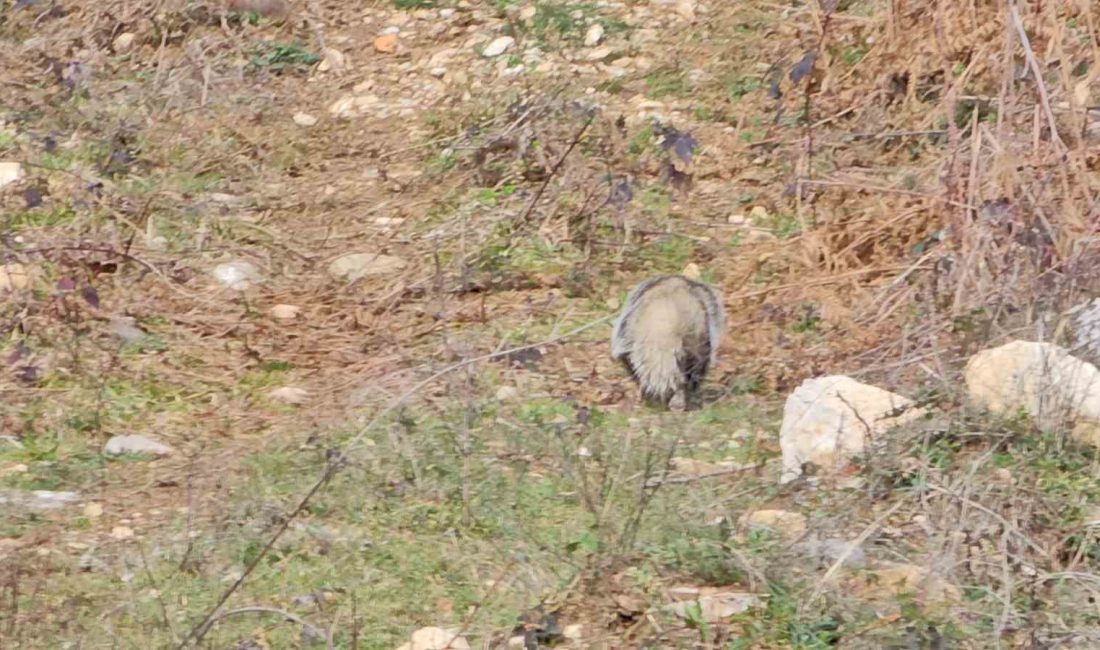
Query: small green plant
745, 384
640, 142
783, 225
656, 200
492, 196
853, 55
442, 162
666, 81
741, 87
809, 322
281, 56
569, 21
693, 618
40, 218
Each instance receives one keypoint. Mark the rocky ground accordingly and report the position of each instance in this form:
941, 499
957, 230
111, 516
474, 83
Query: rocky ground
256, 248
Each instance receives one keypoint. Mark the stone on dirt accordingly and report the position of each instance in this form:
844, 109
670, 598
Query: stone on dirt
829, 420
1045, 381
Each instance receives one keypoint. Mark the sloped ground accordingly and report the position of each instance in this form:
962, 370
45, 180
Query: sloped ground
875, 191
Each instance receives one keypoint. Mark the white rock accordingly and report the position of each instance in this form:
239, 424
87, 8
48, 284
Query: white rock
789, 525
123, 42
10, 172
228, 200
334, 60
353, 105
448, 12
435, 638
839, 550
135, 444
498, 46
236, 275
1086, 327
694, 467
716, 606
37, 499
574, 632
93, 510
122, 532
594, 35
828, 420
125, 328
598, 54
290, 395
304, 119
442, 57
505, 393
358, 265
156, 243
438, 72
889, 581
1053, 387
13, 277
285, 312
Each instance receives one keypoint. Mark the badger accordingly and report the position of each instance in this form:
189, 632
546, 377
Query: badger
667, 337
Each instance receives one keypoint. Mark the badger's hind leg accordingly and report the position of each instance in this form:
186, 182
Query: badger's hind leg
693, 366
659, 399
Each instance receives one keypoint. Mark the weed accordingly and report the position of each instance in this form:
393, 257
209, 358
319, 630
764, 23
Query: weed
852, 55
666, 81
278, 57
783, 224
656, 200
741, 87
745, 384
442, 162
492, 196
41, 218
810, 321
640, 142
192, 184
557, 21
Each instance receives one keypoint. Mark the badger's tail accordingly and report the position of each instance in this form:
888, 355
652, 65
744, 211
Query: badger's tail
657, 371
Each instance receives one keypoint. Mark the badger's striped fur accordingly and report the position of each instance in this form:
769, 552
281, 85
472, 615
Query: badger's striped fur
667, 337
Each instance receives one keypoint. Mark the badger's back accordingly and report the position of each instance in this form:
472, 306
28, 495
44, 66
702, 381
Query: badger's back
667, 335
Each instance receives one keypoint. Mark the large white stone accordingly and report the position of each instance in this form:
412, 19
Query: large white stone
135, 444
498, 46
10, 172
828, 420
435, 638
1056, 389
358, 265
